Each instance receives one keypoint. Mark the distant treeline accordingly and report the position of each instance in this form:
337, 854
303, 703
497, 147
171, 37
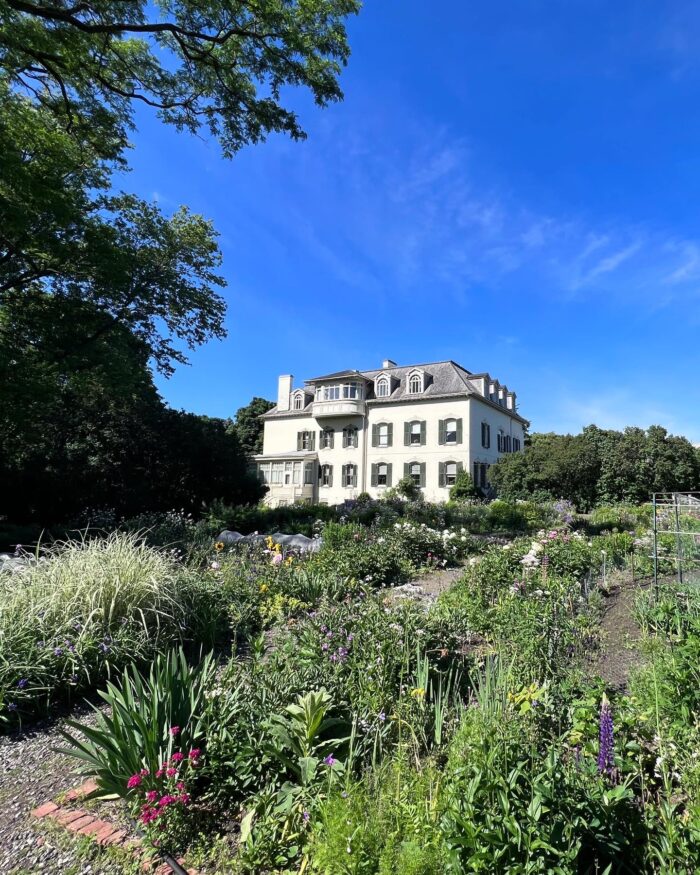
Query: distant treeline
599, 466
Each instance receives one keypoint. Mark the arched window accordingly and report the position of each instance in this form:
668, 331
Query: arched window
298, 402
350, 436
415, 384
382, 387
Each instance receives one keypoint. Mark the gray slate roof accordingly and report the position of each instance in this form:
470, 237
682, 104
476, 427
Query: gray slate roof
443, 380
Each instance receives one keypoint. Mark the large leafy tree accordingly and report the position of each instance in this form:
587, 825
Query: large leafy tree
221, 65
599, 466
249, 426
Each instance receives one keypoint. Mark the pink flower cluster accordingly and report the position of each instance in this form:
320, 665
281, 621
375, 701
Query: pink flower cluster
172, 791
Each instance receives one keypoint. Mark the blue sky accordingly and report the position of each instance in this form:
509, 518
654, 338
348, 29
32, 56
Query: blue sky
515, 186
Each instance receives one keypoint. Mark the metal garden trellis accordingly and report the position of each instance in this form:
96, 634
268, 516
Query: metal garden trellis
672, 513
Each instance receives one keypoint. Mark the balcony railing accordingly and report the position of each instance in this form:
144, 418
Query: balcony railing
339, 407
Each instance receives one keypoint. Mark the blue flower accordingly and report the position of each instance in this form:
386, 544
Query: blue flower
58, 651
12, 706
22, 683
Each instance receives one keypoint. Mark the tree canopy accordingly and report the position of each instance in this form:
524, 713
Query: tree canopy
599, 466
218, 65
249, 427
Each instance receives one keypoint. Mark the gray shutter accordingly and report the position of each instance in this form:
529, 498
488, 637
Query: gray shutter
407, 434
460, 467
312, 434
344, 476
375, 436
441, 433
374, 475
355, 437
388, 474
300, 438
330, 475
333, 437
441, 475
459, 431
422, 473
390, 434
422, 433
406, 469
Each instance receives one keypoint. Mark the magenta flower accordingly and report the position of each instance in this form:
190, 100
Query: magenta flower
330, 760
171, 772
177, 758
134, 781
174, 730
152, 795
195, 753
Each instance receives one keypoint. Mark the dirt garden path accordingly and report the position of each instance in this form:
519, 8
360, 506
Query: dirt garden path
620, 651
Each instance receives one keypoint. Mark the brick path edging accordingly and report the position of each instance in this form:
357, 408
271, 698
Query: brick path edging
82, 823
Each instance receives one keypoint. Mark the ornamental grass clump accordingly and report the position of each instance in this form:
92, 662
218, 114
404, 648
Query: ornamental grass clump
82, 608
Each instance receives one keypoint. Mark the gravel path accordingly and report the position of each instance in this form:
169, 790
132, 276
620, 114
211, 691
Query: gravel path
32, 773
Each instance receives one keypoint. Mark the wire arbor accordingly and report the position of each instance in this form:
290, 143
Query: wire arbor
676, 536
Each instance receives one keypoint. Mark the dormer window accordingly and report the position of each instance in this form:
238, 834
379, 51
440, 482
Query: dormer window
382, 387
299, 401
415, 383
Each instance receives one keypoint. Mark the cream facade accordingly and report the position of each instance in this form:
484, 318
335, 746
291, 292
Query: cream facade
362, 431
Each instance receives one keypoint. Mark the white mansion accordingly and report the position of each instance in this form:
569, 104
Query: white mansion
362, 431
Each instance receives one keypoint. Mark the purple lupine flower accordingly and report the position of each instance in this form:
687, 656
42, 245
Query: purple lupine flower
58, 651
22, 683
381, 717
305, 815
12, 706
606, 752
330, 760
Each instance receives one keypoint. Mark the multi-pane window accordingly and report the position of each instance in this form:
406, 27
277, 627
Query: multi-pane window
305, 440
382, 474
450, 473
450, 431
383, 435
326, 475
326, 439
414, 472
416, 434
277, 473
485, 435
308, 474
350, 475
298, 402
352, 390
415, 384
501, 442
264, 472
516, 445
382, 388
350, 436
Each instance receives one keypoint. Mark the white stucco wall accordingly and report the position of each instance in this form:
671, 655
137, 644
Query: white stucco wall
280, 436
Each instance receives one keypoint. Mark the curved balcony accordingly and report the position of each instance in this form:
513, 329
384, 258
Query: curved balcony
339, 407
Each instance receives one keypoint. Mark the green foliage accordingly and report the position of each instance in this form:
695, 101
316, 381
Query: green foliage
599, 466
249, 427
150, 718
463, 488
88, 608
222, 68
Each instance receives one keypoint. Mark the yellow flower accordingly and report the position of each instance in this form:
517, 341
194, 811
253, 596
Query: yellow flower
288, 560
418, 692
264, 587
219, 546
